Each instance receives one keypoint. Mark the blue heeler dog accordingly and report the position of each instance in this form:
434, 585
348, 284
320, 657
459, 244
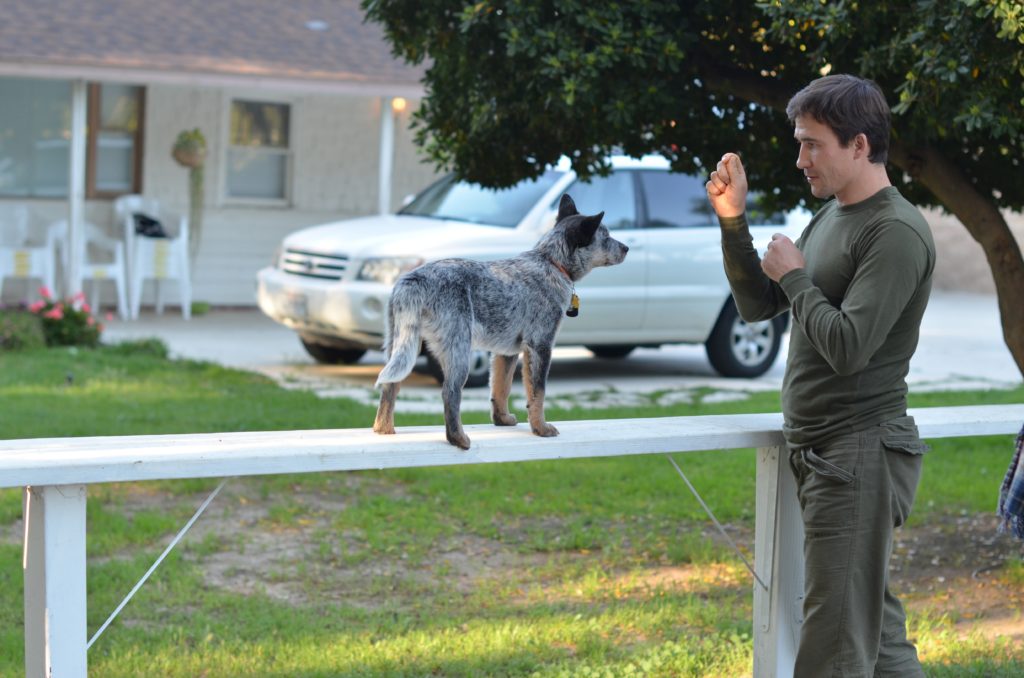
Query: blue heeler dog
506, 307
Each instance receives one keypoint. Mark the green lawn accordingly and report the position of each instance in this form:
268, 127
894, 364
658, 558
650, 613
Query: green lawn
590, 567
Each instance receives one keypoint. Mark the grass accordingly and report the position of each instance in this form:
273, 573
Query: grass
589, 567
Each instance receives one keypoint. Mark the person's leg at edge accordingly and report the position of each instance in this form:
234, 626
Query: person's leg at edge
846, 502
897, 656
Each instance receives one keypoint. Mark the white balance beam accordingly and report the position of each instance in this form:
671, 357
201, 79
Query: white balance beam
56, 471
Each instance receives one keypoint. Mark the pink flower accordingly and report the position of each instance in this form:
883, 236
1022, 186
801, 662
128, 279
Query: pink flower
79, 296
45, 293
36, 306
109, 316
90, 321
86, 308
55, 313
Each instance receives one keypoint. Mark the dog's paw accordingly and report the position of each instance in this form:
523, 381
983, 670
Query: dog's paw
507, 419
545, 431
460, 440
384, 430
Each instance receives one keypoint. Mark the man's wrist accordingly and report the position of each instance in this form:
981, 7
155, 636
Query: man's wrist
795, 281
736, 223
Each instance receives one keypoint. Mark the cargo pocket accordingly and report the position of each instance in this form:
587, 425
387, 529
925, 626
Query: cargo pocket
829, 494
825, 468
900, 435
905, 449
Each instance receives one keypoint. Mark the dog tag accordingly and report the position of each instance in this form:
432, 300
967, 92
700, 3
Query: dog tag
574, 307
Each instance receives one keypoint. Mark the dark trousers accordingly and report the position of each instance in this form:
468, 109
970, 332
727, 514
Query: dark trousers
853, 491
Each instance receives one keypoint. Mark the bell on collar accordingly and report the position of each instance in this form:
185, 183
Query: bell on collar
574, 306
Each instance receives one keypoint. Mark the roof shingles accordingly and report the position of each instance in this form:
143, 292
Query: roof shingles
242, 38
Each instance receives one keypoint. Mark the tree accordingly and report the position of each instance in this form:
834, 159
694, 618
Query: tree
512, 86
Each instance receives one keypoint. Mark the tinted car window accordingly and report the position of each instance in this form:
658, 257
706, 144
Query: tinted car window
676, 200
613, 195
681, 201
463, 201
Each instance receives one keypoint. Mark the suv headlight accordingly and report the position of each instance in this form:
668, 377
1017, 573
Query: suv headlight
386, 270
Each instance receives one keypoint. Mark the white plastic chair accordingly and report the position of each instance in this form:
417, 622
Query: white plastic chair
18, 258
156, 259
100, 258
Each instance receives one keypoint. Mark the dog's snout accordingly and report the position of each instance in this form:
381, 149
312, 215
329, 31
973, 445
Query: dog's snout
625, 249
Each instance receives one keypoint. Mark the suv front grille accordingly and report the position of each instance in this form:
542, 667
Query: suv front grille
313, 265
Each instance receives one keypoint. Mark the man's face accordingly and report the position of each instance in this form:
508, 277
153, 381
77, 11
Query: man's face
828, 166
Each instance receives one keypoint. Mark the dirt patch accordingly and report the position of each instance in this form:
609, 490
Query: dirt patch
954, 567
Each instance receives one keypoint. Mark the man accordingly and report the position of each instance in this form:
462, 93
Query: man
856, 283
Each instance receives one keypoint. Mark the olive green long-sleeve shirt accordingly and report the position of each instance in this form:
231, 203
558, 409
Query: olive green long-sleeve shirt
856, 311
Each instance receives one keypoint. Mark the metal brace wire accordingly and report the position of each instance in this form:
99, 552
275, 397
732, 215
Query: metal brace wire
715, 521
174, 542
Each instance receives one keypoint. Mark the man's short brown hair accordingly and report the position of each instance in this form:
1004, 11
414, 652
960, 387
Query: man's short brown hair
850, 106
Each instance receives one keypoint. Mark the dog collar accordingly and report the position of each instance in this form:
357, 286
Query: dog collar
574, 302
561, 268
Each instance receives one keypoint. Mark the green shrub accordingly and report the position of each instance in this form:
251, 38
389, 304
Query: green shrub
66, 322
20, 329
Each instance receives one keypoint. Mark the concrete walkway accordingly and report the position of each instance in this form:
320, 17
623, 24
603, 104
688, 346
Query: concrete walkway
961, 348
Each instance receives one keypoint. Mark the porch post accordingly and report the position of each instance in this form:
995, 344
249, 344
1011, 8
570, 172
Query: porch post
778, 558
387, 152
54, 572
76, 191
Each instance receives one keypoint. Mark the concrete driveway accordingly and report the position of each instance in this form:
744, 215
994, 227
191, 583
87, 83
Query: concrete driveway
961, 348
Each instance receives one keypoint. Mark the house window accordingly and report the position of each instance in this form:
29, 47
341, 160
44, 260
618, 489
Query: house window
258, 151
114, 146
35, 133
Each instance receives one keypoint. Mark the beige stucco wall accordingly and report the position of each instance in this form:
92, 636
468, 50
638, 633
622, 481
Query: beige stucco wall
335, 148
335, 160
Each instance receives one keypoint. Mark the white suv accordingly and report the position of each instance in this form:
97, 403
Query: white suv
331, 283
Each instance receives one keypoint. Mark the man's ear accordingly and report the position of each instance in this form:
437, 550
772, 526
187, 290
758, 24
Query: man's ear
581, 234
861, 145
566, 208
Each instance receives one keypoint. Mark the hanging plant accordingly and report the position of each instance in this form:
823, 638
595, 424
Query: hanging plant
189, 150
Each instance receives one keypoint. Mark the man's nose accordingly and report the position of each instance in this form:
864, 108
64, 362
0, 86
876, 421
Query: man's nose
801, 160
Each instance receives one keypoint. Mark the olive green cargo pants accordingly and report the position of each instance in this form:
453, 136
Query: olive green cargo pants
853, 491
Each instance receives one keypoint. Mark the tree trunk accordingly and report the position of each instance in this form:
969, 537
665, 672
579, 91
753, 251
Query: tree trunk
985, 224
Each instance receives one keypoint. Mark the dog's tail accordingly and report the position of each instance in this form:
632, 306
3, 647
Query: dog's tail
403, 333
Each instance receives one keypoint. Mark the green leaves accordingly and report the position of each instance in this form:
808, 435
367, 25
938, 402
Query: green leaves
513, 86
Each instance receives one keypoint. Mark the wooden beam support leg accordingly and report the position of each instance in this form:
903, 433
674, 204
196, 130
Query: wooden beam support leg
55, 595
778, 559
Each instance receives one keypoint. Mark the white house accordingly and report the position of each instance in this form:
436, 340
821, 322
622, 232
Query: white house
304, 109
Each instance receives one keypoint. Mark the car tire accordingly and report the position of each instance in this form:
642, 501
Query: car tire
329, 355
611, 351
737, 348
479, 369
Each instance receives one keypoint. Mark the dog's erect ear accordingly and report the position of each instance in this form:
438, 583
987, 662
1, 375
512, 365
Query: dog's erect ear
566, 208
581, 234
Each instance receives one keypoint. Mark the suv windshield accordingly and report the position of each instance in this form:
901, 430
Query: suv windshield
463, 201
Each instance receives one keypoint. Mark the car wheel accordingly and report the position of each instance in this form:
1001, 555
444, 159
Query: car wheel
737, 348
611, 350
479, 369
329, 355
